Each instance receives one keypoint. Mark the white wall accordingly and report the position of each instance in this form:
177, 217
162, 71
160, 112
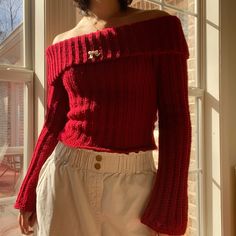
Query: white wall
228, 114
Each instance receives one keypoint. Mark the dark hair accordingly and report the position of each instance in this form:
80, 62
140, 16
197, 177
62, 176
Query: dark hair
83, 5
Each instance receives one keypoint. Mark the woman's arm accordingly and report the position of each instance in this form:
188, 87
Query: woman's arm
167, 208
55, 119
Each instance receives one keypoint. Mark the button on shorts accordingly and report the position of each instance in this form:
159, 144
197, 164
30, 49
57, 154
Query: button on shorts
82, 192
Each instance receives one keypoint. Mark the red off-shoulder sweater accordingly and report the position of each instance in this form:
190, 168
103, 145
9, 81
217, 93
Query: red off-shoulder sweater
105, 91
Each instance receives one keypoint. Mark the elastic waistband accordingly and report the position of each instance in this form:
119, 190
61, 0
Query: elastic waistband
97, 161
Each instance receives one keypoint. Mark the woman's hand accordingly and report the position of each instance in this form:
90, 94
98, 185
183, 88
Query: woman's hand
26, 219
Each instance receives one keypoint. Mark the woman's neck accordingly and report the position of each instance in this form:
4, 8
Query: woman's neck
104, 9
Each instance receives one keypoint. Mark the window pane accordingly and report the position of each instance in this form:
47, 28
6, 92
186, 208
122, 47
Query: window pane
11, 32
188, 5
11, 149
213, 11
193, 113
193, 181
213, 58
193, 205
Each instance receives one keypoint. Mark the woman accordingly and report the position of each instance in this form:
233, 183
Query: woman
92, 170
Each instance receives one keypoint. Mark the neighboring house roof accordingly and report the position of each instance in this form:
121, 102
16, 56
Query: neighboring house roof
11, 48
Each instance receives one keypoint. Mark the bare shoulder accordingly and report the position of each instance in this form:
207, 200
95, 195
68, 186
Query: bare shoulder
63, 36
67, 34
59, 37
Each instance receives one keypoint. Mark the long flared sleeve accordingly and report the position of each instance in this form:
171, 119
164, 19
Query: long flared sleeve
55, 119
167, 207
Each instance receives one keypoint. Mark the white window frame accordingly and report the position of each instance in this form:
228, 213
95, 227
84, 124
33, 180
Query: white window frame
24, 74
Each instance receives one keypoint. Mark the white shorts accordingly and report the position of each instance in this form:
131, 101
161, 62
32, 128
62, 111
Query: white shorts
83, 192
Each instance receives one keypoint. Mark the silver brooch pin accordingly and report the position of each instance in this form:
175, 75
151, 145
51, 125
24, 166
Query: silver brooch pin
92, 53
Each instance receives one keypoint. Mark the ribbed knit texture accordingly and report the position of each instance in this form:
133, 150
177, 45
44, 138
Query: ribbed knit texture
111, 102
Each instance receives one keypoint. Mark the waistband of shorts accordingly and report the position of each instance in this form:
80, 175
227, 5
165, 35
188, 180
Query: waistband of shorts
97, 161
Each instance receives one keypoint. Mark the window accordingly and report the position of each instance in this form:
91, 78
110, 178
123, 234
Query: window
15, 107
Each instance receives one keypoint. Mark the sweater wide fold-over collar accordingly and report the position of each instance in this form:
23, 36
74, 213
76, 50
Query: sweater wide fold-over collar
156, 35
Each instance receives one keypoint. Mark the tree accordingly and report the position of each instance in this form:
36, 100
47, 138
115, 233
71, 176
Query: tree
10, 16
